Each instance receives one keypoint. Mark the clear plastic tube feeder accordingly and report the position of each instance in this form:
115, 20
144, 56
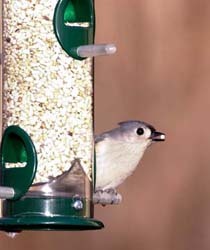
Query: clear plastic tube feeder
47, 148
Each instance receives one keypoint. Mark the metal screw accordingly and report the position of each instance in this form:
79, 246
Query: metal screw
78, 205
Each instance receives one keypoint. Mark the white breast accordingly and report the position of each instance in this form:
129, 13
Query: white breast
115, 161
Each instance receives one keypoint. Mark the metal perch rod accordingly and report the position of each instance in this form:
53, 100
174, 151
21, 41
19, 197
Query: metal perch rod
96, 50
6, 192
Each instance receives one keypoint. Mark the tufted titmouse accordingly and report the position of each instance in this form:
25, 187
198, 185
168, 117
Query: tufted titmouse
119, 151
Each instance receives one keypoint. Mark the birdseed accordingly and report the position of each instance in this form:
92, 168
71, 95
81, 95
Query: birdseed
46, 92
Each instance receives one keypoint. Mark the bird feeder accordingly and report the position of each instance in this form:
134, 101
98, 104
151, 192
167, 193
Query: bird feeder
47, 149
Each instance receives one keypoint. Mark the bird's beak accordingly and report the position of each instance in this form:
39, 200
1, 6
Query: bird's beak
157, 136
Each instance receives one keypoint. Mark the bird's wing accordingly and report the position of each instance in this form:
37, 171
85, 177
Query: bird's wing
101, 137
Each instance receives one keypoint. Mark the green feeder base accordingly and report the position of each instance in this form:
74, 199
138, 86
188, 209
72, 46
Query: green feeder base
47, 214
61, 223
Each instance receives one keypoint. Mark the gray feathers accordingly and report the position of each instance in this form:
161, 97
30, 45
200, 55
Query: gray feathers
124, 127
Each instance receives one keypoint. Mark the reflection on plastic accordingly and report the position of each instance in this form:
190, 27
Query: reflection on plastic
72, 182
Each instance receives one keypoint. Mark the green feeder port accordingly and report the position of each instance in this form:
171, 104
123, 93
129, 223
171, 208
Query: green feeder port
74, 27
74, 24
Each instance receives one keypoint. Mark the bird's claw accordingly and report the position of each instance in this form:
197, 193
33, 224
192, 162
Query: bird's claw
111, 191
107, 197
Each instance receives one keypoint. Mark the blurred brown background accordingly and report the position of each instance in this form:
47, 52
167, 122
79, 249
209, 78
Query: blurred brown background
161, 75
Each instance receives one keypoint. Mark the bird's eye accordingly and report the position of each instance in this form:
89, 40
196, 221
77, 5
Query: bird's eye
140, 131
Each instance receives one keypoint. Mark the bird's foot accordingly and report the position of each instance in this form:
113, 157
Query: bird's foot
111, 191
106, 197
